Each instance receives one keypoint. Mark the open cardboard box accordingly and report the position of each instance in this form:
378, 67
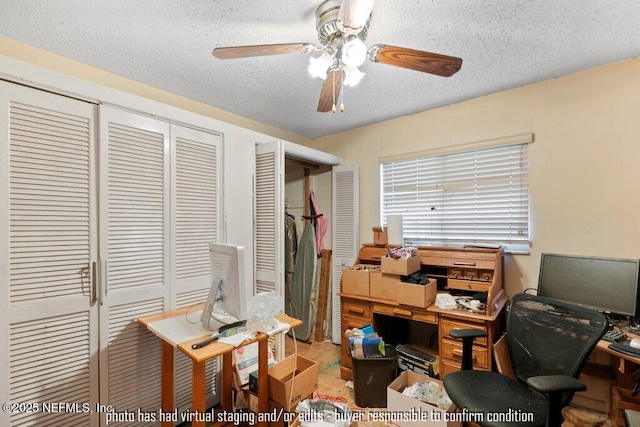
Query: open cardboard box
281, 379
355, 280
424, 413
401, 266
417, 295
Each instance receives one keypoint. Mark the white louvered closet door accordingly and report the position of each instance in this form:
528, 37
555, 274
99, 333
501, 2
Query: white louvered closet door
269, 224
345, 231
196, 210
269, 217
134, 256
48, 229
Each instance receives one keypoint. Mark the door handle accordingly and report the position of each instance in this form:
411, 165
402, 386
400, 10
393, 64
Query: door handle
94, 282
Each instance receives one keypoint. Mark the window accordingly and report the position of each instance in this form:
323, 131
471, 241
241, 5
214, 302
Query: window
477, 196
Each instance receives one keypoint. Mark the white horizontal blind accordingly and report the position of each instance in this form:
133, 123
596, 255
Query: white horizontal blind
478, 196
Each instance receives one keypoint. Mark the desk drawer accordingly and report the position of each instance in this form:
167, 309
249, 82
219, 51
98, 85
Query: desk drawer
468, 285
416, 314
447, 366
453, 350
447, 325
483, 264
355, 308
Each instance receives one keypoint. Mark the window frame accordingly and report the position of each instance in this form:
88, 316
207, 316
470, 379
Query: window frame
513, 184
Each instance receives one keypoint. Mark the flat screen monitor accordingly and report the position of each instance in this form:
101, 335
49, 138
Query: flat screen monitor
228, 294
605, 284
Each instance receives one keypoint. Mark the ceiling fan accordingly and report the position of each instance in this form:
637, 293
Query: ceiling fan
342, 27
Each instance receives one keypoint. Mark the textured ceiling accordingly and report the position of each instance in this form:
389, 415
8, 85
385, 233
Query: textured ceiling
168, 43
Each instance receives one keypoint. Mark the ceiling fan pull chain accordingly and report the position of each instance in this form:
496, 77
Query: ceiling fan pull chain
342, 95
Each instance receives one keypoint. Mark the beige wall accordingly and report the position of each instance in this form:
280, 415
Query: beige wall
33, 55
584, 174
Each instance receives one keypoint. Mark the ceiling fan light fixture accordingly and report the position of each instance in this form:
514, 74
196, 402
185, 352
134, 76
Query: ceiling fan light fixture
354, 15
354, 53
352, 76
319, 66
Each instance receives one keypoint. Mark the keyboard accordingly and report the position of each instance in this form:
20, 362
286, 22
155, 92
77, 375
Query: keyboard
412, 352
614, 336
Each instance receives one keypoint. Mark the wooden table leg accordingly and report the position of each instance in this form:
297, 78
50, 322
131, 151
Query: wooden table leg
263, 378
167, 381
198, 398
227, 377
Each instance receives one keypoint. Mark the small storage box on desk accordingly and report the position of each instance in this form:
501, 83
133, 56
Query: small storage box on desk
355, 280
400, 266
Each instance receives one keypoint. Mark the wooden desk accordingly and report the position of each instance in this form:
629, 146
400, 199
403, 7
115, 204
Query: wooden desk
199, 357
358, 311
463, 270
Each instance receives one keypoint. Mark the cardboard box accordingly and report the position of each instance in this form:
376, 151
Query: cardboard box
402, 266
281, 378
424, 413
383, 286
417, 295
355, 280
277, 416
379, 236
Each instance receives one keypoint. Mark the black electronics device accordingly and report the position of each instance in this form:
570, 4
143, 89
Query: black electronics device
614, 336
604, 284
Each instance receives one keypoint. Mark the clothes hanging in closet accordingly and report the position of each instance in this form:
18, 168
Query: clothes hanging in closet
290, 249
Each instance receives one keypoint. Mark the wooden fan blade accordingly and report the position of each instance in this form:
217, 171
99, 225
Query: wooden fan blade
427, 62
330, 91
262, 50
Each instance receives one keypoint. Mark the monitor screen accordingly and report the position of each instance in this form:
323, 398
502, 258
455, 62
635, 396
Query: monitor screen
228, 295
606, 284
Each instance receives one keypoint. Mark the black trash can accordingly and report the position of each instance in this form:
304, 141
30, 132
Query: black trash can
371, 376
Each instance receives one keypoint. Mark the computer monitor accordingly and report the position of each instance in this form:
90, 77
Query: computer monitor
228, 295
605, 284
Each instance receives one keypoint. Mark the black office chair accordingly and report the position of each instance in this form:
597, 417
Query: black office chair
549, 342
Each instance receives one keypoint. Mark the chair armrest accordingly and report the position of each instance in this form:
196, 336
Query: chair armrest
467, 336
555, 383
467, 333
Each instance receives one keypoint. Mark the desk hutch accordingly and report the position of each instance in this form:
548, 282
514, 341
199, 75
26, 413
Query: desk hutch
468, 269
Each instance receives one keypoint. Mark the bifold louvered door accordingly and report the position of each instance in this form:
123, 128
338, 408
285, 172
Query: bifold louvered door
345, 231
269, 224
134, 256
269, 217
48, 241
196, 209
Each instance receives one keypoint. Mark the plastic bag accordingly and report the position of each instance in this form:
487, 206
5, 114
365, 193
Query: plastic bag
322, 412
261, 310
